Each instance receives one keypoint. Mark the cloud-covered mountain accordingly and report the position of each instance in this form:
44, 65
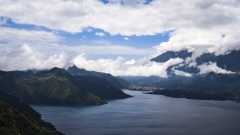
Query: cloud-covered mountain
227, 63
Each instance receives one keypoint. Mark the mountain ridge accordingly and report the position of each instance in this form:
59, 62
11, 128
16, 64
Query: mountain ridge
74, 70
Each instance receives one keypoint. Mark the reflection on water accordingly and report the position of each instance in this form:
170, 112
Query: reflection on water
146, 114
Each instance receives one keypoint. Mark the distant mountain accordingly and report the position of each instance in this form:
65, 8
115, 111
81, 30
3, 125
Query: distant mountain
123, 82
215, 86
229, 61
17, 118
211, 81
210, 86
101, 87
55, 86
139, 80
119, 83
196, 94
171, 55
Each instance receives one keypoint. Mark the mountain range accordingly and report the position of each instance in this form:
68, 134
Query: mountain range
57, 86
50, 87
229, 61
210, 85
116, 81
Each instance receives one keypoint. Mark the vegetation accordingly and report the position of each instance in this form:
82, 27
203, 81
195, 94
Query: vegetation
210, 87
226, 61
13, 122
55, 86
101, 87
203, 94
117, 82
58, 87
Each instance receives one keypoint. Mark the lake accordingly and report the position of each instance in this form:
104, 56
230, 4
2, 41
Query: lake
146, 114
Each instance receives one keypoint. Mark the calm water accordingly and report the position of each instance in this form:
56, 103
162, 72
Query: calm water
147, 115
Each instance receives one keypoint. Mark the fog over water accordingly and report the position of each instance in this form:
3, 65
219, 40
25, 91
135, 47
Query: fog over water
146, 114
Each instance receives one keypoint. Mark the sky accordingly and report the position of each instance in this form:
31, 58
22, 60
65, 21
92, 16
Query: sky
115, 36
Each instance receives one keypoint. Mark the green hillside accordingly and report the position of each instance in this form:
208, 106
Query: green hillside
13, 122
55, 86
117, 82
101, 87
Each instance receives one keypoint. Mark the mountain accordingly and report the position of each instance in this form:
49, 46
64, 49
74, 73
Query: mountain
55, 86
171, 55
101, 87
123, 82
19, 105
228, 61
196, 94
210, 86
17, 117
214, 86
119, 83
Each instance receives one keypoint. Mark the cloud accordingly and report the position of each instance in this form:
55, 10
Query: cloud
212, 67
119, 67
26, 57
89, 29
201, 41
108, 49
126, 38
100, 34
47, 43
3, 20
181, 73
197, 26
194, 25
155, 17
130, 62
10, 37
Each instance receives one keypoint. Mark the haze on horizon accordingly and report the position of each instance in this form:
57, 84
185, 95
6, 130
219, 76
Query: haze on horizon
115, 36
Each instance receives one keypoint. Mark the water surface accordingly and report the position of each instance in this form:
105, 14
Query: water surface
146, 114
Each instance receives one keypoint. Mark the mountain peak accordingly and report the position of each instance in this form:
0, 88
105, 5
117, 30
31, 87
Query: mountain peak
54, 71
171, 54
77, 71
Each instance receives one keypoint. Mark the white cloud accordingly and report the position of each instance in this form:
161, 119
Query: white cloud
197, 25
212, 67
181, 73
130, 62
118, 67
100, 34
116, 18
126, 38
10, 37
26, 57
47, 43
108, 49
89, 29
201, 41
